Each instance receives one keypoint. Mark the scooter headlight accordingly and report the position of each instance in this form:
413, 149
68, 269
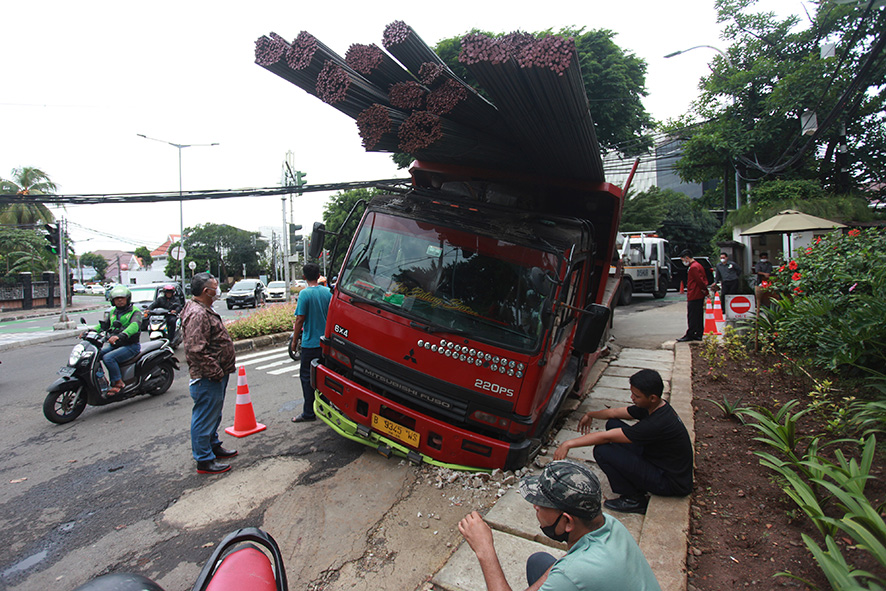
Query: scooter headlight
76, 353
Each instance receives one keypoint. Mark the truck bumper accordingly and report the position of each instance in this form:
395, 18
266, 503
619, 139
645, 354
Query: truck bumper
459, 449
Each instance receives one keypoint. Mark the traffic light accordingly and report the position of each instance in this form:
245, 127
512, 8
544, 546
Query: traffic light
295, 240
299, 179
52, 238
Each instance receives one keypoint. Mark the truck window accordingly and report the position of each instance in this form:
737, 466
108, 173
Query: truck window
450, 279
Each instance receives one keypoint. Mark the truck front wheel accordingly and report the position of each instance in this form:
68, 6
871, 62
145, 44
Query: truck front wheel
662, 290
626, 292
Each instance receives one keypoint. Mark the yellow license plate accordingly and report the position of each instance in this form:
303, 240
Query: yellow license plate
396, 431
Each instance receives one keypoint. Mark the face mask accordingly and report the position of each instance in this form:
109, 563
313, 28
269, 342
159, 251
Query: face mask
763, 259
723, 261
215, 294
549, 531
685, 263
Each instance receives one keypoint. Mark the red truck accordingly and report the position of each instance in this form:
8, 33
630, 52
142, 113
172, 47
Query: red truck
468, 307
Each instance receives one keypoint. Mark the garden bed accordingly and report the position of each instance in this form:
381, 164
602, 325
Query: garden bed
743, 527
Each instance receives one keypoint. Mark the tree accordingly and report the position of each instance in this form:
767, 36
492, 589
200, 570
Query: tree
26, 180
673, 216
614, 80
747, 116
334, 215
222, 250
144, 254
23, 251
97, 262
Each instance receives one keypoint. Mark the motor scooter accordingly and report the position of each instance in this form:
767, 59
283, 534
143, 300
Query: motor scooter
244, 568
82, 380
158, 326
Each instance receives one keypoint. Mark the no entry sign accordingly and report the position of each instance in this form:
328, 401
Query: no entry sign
740, 306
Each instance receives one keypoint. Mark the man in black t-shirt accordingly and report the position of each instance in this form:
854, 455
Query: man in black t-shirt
654, 455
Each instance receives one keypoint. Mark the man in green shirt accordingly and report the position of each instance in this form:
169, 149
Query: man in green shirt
602, 555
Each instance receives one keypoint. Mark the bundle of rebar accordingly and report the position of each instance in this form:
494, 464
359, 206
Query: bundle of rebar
346, 90
270, 53
409, 49
378, 126
536, 85
538, 117
376, 65
408, 95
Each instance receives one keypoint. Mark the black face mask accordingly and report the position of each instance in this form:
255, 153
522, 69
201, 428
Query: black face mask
549, 531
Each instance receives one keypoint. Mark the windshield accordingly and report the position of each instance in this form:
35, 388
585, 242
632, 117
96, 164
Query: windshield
244, 286
141, 295
273, 284
486, 288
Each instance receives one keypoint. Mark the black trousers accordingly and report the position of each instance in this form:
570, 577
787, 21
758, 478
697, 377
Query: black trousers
730, 288
695, 318
628, 472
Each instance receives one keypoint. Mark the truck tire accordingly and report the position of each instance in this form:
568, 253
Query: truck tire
662, 290
626, 292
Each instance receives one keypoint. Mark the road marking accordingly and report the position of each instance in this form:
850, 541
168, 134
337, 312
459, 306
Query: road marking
275, 364
262, 359
277, 372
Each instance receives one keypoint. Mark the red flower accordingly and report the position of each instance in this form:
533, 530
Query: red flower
764, 284
798, 290
854, 232
793, 265
809, 250
817, 239
796, 277
780, 269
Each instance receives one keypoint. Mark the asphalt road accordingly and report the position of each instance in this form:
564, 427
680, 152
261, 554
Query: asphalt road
94, 495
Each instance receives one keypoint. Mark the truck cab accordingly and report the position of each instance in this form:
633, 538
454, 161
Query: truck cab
646, 265
466, 311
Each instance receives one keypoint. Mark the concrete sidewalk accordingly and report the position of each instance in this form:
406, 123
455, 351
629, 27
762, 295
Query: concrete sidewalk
661, 533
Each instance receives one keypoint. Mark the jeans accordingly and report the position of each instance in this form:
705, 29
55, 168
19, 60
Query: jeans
209, 399
114, 356
628, 473
304, 374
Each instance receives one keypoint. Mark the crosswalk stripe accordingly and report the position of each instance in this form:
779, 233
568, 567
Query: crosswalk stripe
292, 369
262, 354
276, 364
263, 359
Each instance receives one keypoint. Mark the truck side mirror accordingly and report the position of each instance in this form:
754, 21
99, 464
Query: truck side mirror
318, 234
591, 328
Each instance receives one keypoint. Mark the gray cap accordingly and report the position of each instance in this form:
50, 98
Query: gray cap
564, 485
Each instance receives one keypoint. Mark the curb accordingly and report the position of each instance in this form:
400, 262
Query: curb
260, 342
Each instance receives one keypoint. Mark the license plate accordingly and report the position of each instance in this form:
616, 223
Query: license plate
396, 431
66, 372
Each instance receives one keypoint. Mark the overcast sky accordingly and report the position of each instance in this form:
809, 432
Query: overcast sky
80, 80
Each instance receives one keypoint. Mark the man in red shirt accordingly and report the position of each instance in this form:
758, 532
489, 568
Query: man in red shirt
696, 286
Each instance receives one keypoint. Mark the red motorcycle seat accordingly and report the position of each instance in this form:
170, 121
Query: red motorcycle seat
247, 569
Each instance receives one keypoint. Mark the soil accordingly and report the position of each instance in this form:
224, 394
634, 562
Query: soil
743, 527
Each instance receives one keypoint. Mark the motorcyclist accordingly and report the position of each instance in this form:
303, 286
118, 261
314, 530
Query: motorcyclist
169, 300
123, 324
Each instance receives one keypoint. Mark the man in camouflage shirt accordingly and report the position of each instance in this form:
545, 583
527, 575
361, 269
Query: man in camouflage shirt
210, 355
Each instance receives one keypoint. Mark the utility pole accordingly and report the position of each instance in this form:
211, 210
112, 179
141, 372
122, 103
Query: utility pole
62, 274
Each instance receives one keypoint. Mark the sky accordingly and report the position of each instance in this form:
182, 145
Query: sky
80, 80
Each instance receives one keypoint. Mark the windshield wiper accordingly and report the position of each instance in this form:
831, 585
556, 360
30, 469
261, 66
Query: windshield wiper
437, 329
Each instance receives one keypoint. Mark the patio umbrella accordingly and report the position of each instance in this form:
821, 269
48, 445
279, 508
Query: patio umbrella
791, 220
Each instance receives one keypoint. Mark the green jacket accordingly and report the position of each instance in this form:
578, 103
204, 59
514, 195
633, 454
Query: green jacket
129, 329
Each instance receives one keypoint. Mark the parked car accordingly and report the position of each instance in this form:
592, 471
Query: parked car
246, 292
79, 288
678, 275
95, 289
276, 291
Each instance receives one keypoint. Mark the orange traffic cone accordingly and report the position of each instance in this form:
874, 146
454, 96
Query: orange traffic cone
681, 287
718, 312
244, 416
710, 324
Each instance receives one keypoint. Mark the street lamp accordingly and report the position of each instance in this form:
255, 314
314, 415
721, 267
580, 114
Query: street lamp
181, 210
731, 66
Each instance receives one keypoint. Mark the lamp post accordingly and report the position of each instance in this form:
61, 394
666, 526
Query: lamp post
731, 66
181, 209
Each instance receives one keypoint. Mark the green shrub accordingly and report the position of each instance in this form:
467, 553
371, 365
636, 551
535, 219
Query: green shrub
273, 319
832, 303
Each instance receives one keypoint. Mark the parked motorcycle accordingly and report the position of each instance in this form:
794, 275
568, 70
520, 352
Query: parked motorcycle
245, 568
158, 326
82, 380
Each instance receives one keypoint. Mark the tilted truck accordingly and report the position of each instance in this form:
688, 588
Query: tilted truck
646, 265
468, 307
